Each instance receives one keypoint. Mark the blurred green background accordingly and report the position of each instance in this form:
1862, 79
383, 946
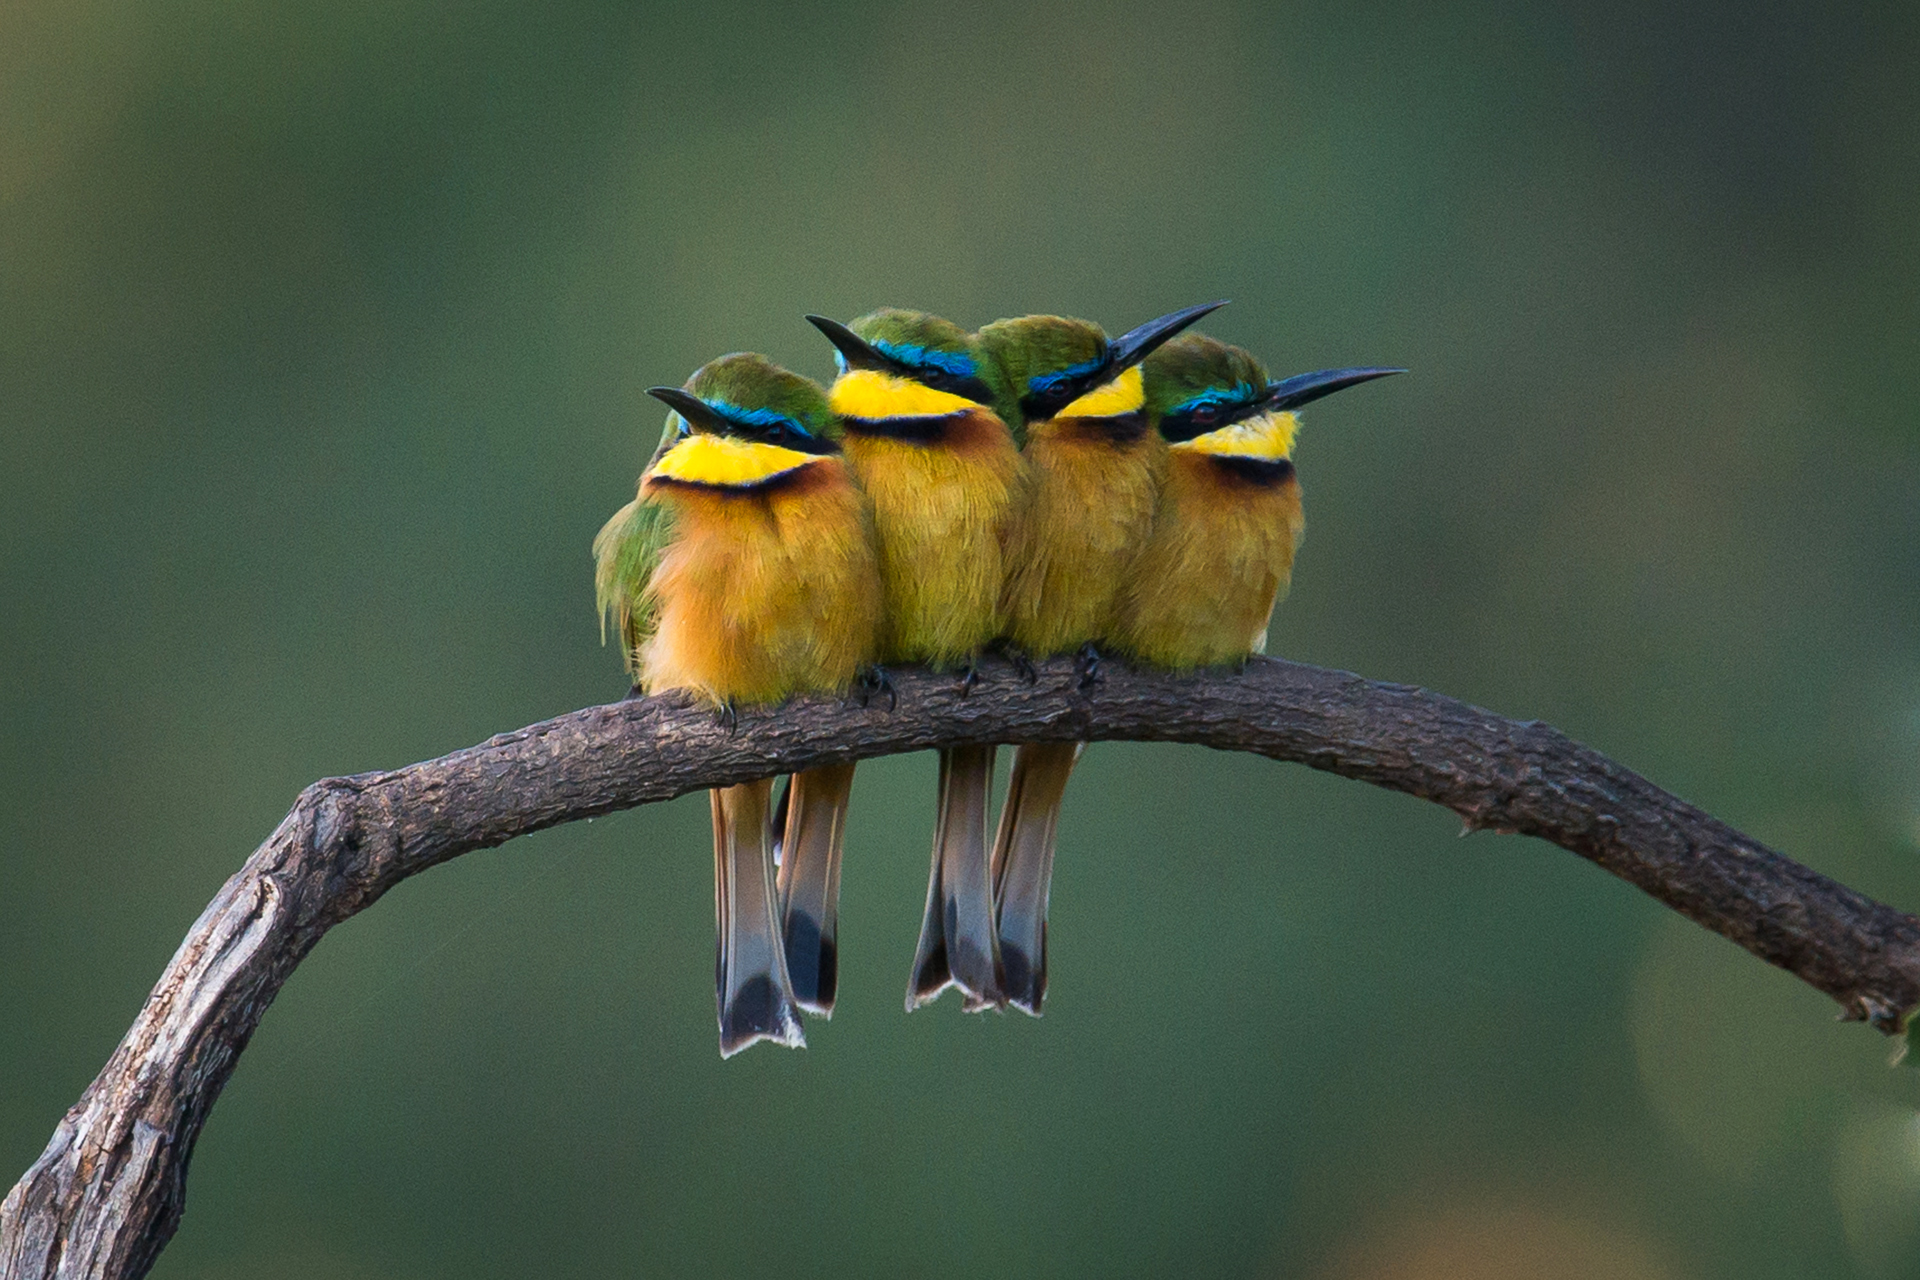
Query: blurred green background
323, 332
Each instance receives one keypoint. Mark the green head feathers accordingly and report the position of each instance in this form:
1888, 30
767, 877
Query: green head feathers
750, 397
917, 339
1040, 359
915, 345
1048, 362
1194, 373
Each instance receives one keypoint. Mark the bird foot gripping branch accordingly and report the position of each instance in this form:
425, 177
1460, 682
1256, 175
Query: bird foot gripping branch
1020, 660
873, 682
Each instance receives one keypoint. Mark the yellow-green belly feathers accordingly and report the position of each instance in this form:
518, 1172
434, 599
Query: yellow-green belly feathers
942, 516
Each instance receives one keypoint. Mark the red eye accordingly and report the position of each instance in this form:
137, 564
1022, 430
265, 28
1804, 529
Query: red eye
1205, 415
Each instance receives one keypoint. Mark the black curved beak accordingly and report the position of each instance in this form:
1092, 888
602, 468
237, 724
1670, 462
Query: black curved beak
691, 407
1141, 341
856, 350
1304, 388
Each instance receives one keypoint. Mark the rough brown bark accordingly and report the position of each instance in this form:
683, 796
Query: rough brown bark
107, 1194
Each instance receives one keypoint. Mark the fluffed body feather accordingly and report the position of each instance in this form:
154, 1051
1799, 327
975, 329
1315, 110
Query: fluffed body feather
762, 593
1229, 520
1216, 563
944, 509
1095, 487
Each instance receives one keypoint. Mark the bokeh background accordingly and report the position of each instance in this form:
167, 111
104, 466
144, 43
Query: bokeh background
323, 331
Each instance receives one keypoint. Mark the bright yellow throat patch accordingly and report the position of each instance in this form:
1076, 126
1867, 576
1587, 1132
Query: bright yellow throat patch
1268, 436
727, 463
873, 396
1124, 395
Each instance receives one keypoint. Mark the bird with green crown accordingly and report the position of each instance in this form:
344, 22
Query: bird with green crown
744, 572
1075, 397
947, 483
1229, 519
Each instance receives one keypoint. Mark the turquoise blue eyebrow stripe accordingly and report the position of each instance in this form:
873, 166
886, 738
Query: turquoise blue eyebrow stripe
1239, 394
953, 362
759, 416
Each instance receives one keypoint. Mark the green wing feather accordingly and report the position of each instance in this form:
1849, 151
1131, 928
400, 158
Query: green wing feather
626, 551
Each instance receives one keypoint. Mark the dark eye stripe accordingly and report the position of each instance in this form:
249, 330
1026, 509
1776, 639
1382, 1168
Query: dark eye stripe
964, 386
771, 427
1181, 424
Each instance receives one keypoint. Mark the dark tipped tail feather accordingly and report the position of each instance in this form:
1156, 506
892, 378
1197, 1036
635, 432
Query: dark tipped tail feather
755, 997
813, 827
1023, 865
957, 943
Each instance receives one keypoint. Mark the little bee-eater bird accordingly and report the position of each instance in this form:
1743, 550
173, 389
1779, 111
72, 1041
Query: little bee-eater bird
1095, 464
745, 572
1229, 519
945, 476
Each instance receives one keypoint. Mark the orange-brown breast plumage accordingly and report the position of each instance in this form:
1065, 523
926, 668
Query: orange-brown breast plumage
764, 592
1218, 559
1092, 507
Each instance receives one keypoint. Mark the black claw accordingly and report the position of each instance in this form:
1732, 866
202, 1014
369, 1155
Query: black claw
1022, 664
1088, 662
635, 692
971, 678
875, 680
726, 717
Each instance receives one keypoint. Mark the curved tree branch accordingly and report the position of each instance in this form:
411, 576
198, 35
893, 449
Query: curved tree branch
107, 1194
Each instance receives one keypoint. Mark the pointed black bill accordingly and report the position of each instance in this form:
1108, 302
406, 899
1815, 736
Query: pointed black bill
856, 350
1304, 388
696, 411
1141, 341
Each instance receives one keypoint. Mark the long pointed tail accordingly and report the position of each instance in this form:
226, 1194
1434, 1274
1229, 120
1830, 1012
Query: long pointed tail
1023, 865
750, 968
957, 944
815, 825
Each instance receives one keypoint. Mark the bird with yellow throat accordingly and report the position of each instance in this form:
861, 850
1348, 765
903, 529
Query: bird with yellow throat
744, 572
1229, 519
1077, 399
947, 482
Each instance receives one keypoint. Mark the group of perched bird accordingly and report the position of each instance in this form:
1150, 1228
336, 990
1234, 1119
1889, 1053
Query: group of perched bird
1035, 486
